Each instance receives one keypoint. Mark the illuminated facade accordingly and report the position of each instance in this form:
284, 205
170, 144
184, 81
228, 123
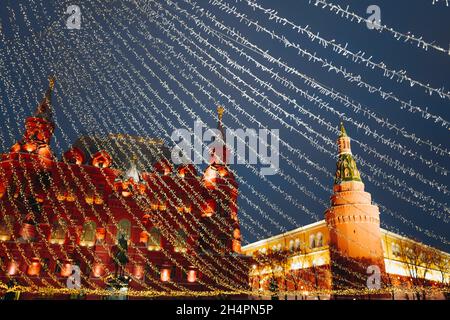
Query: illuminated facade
178, 228
334, 254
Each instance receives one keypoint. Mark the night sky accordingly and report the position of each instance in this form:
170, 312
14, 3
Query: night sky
106, 72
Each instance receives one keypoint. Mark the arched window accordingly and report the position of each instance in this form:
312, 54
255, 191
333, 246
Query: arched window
88, 235
291, 245
297, 244
312, 241
154, 239
124, 229
58, 234
180, 241
319, 240
223, 241
6, 227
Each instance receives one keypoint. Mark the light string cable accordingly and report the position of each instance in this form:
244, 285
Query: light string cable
399, 36
439, 1
359, 57
326, 64
100, 220
331, 128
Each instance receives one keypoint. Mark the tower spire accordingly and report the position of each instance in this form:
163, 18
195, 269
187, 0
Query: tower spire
219, 152
346, 169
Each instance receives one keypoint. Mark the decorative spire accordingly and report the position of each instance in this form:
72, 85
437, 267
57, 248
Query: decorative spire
220, 111
220, 153
44, 109
346, 169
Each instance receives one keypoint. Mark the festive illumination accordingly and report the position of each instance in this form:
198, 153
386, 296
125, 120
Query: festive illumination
109, 187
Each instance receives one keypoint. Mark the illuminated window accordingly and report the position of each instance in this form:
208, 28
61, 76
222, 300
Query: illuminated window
319, 240
154, 240
291, 245
88, 235
395, 248
124, 229
312, 241
180, 241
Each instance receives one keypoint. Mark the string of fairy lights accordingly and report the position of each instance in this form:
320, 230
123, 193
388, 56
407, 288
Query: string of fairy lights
138, 116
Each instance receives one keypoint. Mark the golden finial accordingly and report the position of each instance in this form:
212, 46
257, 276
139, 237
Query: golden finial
51, 82
220, 111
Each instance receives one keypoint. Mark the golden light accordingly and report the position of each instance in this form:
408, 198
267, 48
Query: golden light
143, 237
100, 234
30, 147
60, 196
66, 269
139, 271
165, 275
153, 248
98, 200
70, 197
192, 276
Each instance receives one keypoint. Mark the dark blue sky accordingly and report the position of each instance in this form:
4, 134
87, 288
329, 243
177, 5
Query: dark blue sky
103, 85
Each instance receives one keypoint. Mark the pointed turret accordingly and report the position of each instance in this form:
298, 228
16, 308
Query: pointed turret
44, 109
353, 222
